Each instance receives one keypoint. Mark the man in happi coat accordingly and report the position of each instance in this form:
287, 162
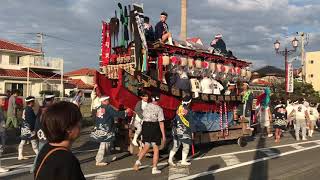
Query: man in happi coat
104, 132
27, 128
182, 131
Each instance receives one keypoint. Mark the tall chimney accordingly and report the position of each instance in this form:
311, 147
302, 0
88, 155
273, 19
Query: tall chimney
183, 32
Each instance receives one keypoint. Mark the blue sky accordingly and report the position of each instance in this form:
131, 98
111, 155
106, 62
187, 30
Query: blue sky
249, 27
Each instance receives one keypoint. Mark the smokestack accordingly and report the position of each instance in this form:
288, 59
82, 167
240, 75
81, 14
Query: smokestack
183, 31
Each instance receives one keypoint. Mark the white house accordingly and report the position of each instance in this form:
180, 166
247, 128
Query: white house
27, 70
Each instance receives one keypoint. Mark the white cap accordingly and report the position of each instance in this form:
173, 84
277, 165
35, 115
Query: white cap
49, 96
218, 36
103, 98
3, 97
30, 98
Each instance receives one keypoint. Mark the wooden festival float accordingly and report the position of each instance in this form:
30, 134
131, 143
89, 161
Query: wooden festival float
135, 64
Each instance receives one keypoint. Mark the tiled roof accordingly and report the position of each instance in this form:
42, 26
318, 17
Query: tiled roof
11, 46
23, 73
78, 83
194, 39
82, 72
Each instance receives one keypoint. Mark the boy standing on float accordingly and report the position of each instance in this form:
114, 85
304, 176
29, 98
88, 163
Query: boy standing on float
182, 131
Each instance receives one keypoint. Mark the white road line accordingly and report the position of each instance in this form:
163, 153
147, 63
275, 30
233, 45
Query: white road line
165, 163
230, 160
178, 172
32, 156
245, 163
298, 146
269, 152
18, 171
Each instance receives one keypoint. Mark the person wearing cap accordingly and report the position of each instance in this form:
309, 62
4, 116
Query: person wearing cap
280, 121
47, 102
218, 44
148, 30
152, 132
182, 131
140, 106
162, 30
27, 128
2, 130
104, 132
314, 116
12, 110
231, 90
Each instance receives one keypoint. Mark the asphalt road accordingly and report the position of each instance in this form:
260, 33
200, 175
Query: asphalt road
261, 159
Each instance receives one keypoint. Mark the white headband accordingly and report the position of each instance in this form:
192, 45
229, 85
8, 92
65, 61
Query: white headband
104, 98
186, 102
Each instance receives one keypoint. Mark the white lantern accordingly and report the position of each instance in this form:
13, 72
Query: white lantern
166, 60
243, 72
184, 61
213, 67
198, 63
219, 67
190, 62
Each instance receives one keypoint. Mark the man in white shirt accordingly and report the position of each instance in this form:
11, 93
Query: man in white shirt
289, 109
301, 116
314, 116
206, 85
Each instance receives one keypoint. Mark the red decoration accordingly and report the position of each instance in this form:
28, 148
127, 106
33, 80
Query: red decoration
160, 68
205, 64
226, 118
222, 69
106, 44
238, 70
175, 60
221, 118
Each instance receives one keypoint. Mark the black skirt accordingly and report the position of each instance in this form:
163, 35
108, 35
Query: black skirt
151, 133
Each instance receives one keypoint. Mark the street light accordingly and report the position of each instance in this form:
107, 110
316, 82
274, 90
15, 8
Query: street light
286, 53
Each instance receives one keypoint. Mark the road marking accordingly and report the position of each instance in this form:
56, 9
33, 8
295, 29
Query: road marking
298, 146
165, 163
245, 163
178, 172
107, 177
230, 160
269, 152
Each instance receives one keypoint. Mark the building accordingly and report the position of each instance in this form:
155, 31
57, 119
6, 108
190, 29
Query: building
311, 67
80, 79
27, 70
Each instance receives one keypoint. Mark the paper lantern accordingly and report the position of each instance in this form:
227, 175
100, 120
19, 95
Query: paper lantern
184, 61
248, 74
175, 60
238, 70
243, 72
232, 71
227, 68
198, 63
205, 65
218, 66
165, 60
212, 67
190, 62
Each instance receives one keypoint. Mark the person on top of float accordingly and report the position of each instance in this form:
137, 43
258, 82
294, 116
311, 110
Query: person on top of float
231, 91
162, 30
148, 30
104, 132
152, 132
27, 128
218, 44
140, 106
182, 131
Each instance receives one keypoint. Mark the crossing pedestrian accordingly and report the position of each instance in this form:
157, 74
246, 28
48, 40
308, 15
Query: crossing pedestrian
152, 132
182, 131
314, 116
140, 106
61, 126
27, 128
104, 132
301, 118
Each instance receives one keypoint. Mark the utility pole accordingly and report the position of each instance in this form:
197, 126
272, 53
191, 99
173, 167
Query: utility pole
303, 65
40, 36
183, 31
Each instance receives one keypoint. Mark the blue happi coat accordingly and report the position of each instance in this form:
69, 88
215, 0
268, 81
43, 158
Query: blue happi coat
28, 123
104, 130
183, 128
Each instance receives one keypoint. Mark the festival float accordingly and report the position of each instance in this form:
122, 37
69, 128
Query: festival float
129, 63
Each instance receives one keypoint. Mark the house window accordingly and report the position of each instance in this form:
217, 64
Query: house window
12, 60
311, 61
16, 86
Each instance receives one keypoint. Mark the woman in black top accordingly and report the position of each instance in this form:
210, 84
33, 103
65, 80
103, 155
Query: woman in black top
61, 126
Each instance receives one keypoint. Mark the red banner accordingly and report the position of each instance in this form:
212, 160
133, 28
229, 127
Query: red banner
106, 44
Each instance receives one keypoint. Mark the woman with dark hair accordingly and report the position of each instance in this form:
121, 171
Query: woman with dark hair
61, 126
280, 121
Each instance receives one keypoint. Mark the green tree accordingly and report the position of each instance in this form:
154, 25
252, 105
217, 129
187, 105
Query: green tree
304, 90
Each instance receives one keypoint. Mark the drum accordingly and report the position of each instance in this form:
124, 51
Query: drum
212, 67
165, 60
198, 63
243, 72
190, 62
184, 61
